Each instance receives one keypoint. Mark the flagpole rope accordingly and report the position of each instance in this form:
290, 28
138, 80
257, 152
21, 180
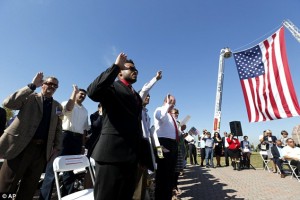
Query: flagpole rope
260, 38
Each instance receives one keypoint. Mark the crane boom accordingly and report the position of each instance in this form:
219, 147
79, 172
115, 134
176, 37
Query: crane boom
292, 28
225, 53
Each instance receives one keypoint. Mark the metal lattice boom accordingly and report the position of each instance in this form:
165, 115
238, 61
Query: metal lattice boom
292, 28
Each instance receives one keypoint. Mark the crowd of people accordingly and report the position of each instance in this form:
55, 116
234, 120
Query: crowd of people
121, 139
281, 151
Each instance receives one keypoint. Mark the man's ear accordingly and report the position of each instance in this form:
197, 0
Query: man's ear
120, 74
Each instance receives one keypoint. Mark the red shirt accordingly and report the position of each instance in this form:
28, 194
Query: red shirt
234, 143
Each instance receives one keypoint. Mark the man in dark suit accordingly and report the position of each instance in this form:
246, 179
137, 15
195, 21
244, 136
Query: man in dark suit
96, 126
225, 148
276, 151
117, 150
2, 120
31, 139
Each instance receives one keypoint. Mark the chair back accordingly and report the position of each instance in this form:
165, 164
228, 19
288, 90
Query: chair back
263, 153
71, 163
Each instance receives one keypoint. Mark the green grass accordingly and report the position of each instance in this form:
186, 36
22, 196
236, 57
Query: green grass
255, 160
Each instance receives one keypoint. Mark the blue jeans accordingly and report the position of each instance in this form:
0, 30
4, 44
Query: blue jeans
209, 155
47, 186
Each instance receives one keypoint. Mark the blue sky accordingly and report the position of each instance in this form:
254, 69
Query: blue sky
75, 40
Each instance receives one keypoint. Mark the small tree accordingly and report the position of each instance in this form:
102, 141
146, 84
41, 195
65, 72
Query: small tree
252, 147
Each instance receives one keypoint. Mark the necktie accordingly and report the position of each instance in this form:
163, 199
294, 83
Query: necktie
131, 88
176, 129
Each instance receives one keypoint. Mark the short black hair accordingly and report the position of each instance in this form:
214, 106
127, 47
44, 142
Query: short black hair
129, 61
82, 90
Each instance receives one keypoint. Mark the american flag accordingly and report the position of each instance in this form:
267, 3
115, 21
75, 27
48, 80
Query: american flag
266, 80
194, 131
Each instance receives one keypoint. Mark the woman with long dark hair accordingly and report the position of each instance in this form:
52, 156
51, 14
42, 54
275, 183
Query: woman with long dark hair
218, 148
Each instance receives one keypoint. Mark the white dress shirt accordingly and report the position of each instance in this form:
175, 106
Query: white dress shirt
146, 120
75, 120
163, 122
291, 152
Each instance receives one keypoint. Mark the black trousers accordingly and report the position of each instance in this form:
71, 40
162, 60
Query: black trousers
193, 154
226, 155
115, 181
165, 172
27, 167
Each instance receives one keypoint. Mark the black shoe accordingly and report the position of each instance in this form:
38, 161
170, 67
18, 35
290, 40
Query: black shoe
239, 166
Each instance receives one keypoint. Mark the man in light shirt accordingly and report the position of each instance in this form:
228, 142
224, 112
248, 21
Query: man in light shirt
142, 172
292, 153
202, 147
167, 132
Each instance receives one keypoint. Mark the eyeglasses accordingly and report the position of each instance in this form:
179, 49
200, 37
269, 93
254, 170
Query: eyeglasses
175, 113
133, 69
290, 141
54, 85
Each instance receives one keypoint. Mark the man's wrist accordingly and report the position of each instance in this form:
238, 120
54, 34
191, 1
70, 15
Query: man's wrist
32, 86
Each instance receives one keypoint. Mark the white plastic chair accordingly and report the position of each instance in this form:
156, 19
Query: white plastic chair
293, 169
93, 164
69, 163
266, 161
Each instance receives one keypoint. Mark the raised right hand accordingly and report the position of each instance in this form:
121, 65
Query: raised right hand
38, 79
120, 61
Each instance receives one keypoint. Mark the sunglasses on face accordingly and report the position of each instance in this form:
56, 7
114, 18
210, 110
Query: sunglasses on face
133, 69
54, 85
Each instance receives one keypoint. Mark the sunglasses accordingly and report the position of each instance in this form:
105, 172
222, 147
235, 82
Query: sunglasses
51, 84
133, 69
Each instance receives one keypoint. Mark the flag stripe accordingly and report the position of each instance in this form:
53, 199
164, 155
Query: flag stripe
266, 80
291, 99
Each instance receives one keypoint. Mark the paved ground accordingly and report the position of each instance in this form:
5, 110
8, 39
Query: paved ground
199, 183
226, 183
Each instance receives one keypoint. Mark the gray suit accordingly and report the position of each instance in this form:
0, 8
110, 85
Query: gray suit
19, 134
17, 146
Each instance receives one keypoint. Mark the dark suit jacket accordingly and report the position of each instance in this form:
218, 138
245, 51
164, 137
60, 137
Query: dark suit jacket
96, 126
2, 120
121, 111
275, 151
223, 142
273, 139
21, 131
